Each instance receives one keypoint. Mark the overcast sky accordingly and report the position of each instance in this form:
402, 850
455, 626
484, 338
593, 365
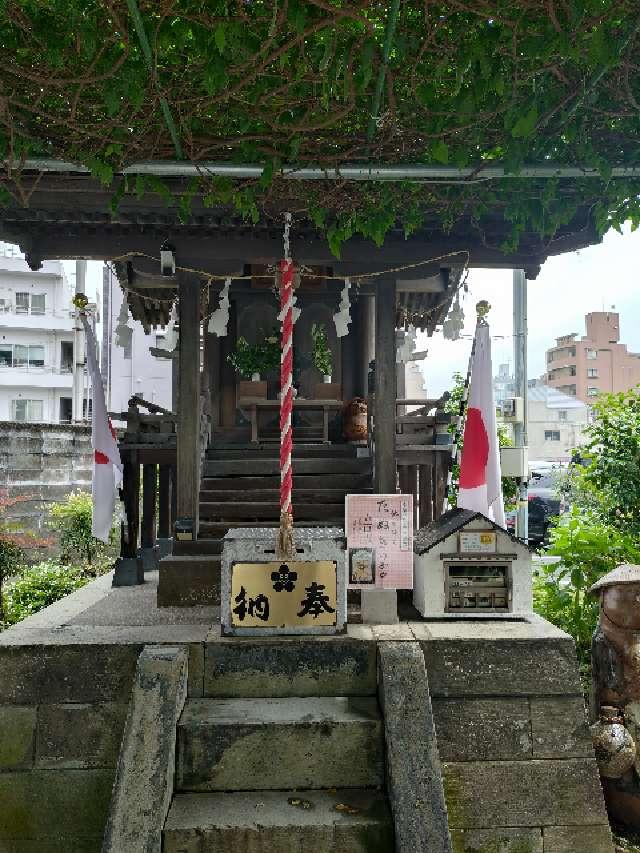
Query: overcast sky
568, 287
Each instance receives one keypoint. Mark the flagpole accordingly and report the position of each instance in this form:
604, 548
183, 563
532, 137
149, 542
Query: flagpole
482, 309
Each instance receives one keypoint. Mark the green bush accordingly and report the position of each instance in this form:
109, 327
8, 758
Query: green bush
72, 520
38, 587
588, 548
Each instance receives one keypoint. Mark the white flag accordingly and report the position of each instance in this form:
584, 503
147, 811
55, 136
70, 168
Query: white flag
107, 466
480, 484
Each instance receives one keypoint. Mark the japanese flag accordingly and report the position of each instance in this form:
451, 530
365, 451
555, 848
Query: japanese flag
480, 485
107, 466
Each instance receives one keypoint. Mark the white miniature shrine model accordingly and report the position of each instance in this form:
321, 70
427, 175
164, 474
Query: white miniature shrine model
467, 566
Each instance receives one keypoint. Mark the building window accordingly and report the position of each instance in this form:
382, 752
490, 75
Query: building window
550, 356
22, 355
65, 410
29, 411
592, 372
87, 409
562, 414
30, 303
592, 392
552, 435
37, 303
22, 303
36, 356
592, 353
66, 356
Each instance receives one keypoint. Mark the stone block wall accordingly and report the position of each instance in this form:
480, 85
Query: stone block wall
44, 462
62, 715
518, 765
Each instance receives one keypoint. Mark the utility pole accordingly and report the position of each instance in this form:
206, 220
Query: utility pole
77, 396
520, 376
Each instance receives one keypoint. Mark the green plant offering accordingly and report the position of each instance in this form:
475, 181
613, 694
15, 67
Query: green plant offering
322, 357
245, 358
262, 357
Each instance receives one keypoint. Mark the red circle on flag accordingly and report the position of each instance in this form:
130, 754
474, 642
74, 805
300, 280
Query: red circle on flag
475, 453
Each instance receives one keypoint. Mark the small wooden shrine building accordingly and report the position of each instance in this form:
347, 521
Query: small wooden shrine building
219, 428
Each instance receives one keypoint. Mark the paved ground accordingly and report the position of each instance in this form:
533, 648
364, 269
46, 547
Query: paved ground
99, 613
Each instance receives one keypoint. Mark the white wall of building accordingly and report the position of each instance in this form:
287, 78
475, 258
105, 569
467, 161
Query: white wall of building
38, 373
134, 370
556, 424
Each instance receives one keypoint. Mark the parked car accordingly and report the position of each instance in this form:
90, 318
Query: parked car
545, 503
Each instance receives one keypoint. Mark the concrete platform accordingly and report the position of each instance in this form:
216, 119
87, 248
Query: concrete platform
517, 765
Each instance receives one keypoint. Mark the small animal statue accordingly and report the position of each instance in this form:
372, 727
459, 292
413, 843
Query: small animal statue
615, 654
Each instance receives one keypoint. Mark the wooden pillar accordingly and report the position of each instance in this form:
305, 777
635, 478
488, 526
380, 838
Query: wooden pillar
131, 494
164, 502
149, 486
174, 496
426, 494
189, 403
385, 389
364, 311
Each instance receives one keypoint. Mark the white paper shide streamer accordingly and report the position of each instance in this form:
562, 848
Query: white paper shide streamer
343, 316
124, 332
219, 320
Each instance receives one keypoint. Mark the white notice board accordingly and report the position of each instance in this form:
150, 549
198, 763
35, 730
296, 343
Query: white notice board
379, 541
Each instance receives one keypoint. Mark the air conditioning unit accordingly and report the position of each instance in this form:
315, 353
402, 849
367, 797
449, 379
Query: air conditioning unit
512, 410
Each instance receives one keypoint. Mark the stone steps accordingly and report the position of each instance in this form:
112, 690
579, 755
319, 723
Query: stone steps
282, 821
297, 743
185, 580
281, 667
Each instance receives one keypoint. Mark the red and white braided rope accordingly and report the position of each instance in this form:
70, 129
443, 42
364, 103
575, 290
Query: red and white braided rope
286, 385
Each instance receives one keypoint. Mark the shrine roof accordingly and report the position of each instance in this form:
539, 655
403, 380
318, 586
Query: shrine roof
450, 522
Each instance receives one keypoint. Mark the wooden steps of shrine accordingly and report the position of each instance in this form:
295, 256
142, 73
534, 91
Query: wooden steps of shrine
270, 467
213, 529
300, 451
252, 484
301, 495
304, 511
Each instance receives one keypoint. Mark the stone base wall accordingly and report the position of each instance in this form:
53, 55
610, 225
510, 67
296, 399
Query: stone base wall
44, 462
518, 765
62, 715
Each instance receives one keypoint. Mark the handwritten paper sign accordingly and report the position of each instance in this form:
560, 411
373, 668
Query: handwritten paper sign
283, 594
380, 541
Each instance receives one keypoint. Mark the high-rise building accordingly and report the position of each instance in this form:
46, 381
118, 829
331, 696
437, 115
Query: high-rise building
594, 364
36, 340
504, 384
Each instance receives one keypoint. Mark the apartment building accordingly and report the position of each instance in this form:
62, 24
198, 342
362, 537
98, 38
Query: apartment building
594, 364
132, 369
36, 340
555, 423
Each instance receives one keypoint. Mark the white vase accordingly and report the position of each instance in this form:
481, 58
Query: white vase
326, 378
255, 377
